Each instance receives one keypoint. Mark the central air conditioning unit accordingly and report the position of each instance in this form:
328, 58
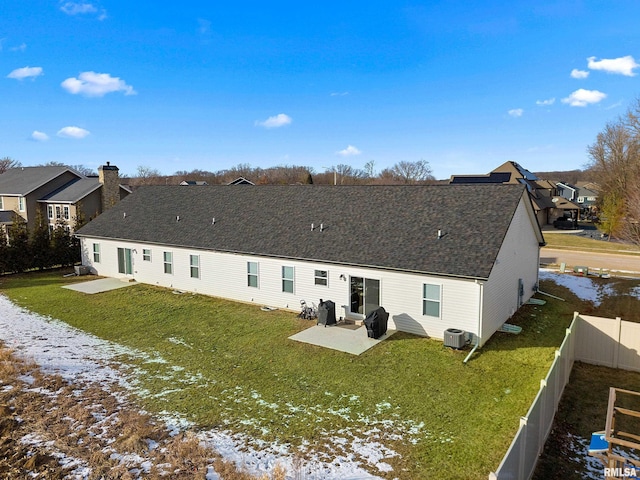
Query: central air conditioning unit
454, 338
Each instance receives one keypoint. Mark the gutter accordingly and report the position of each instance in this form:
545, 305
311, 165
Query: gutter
478, 338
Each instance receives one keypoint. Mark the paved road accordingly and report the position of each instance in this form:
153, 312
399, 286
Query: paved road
608, 261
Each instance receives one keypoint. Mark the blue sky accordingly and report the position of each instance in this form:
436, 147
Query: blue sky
208, 85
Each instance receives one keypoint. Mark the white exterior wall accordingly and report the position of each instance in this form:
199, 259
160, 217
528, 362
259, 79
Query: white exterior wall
225, 275
519, 258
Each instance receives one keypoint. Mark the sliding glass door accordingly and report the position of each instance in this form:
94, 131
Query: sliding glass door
365, 295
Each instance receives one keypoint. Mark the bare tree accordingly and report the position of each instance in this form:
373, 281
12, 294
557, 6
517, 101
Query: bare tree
631, 232
615, 162
6, 163
412, 172
147, 176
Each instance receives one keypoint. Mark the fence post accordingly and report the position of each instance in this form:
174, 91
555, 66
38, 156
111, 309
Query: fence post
543, 415
523, 447
616, 348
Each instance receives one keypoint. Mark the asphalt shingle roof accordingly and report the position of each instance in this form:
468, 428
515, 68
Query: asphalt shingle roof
392, 227
74, 192
24, 180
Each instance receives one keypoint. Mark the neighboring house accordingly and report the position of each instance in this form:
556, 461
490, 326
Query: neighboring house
587, 197
435, 257
193, 183
59, 193
241, 181
540, 191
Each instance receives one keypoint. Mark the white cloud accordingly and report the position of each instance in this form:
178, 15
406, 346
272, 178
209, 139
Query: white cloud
276, 121
546, 103
25, 72
349, 151
575, 73
516, 112
83, 8
582, 97
92, 84
39, 136
622, 66
76, 8
73, 132
20, 48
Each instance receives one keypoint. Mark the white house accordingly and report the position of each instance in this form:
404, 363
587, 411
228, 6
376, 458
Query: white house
435, 257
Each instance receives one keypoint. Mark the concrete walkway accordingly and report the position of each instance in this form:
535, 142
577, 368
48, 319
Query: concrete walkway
100, 285
346, 340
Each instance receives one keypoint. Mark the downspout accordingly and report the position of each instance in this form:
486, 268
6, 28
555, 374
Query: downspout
480, 305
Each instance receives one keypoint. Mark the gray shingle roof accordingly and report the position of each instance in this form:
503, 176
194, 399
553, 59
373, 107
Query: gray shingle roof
392, 227
73, 192
24, 180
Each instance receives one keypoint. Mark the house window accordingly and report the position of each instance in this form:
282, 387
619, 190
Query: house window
146, 255
287, 279
252, 274
431, 300
321, 277
65, 209
194, 261
21, 204
58, 212
96, 253
168, 262
50, 211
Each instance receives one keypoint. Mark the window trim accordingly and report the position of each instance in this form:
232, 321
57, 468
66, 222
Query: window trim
66, 212
21, 204
426, 300
96, 253
194, 268
320, 280
146, 254
50, 212
286, 281
255, 274
167, 264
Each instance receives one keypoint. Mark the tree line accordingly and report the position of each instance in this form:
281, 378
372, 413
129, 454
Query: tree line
42, 248
615, 164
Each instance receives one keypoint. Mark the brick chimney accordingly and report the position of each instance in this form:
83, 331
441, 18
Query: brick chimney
108, 177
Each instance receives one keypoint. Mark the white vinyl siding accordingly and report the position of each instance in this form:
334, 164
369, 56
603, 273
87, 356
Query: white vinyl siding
321, 277
168, 262
194, 265
96, 252
252, 274
287, 279
400, 293
431, 300
517, 259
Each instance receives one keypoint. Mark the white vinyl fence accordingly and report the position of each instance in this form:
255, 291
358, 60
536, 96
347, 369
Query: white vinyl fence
600, 341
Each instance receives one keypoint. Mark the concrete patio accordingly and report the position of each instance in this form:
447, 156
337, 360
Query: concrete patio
99, 285
340, 337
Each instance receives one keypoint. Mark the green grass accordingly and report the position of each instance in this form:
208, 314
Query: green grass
583, 410
231, 366
576, 242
